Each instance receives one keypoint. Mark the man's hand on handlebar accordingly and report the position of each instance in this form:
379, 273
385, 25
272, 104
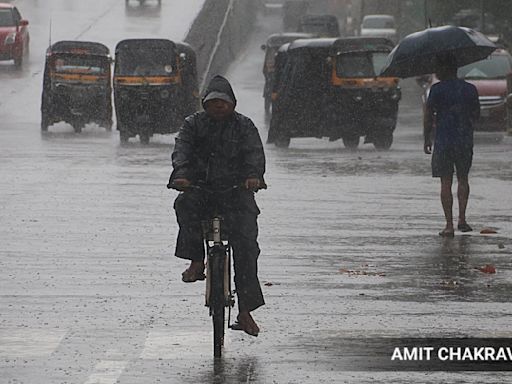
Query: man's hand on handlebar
253, 184
181, 184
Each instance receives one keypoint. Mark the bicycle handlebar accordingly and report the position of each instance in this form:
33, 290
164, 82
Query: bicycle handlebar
204, 188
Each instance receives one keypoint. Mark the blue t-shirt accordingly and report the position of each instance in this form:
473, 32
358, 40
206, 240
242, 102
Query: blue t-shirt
455, 104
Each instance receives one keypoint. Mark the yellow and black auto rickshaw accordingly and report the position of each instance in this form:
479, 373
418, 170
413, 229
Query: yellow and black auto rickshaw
77, 85
155, 87
273, 43
331, 88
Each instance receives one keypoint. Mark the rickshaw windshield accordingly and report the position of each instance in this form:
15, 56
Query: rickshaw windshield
360, 64
159, 62
379, 60
357, 64
81, 64
316, 28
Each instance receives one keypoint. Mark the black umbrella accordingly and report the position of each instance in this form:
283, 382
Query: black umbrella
417, 53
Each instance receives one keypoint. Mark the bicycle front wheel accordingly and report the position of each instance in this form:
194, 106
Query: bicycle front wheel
217, 299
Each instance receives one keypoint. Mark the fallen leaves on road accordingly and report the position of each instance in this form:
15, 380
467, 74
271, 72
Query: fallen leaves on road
450, 283
487, 268
354, 272
488, 231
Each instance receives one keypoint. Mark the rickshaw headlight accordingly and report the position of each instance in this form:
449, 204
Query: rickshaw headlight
10, 39
164, 94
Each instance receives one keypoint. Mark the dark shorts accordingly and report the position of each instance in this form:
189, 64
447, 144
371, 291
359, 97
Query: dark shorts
444, 162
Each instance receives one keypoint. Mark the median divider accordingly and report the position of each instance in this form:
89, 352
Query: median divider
219, 33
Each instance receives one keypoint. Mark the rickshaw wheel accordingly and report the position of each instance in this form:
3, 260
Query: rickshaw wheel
383, 142
123, 137
44, 124
144, 137
282, 141
351, 142
77, 127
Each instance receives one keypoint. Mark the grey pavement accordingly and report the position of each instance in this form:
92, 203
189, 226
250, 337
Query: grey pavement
91, 294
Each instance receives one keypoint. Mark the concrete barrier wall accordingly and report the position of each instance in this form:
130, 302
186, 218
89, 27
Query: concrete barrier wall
219, 33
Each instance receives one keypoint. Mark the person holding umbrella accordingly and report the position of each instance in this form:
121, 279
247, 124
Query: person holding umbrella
452, 105
451, 109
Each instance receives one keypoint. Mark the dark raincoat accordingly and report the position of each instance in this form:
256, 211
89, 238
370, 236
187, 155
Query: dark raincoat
221, 154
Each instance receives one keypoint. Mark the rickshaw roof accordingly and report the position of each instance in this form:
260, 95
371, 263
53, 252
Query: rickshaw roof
278, 39
319, 18
283, 48
334, 46
358, 44
79, 48
130, 44
313, 44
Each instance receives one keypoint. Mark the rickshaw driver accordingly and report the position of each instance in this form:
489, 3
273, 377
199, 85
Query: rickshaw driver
221, 148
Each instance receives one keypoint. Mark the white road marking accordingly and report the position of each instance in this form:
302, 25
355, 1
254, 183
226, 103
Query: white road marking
107, 372
175, 344
29, 342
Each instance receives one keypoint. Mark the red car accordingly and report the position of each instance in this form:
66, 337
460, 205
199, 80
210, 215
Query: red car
489, 76
14, 37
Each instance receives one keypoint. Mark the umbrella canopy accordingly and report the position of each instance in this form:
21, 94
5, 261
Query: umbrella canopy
417, 53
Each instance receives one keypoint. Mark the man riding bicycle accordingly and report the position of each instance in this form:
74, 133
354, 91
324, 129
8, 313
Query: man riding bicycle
221, 148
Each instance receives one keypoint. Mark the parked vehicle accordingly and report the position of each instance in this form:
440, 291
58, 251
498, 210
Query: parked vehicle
319, 25
77, 85
14, 35
155, 87
489, 76
293, 10
379, 26
330, 88
274, 42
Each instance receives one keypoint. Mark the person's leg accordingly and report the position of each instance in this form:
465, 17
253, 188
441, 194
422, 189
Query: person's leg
189, 245
442, 167
447, 203
463, 196
463, 166
243, 238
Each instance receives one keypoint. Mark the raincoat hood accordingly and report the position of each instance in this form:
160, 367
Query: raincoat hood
219, 88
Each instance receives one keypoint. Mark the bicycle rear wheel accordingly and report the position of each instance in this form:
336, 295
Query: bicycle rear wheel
217, 298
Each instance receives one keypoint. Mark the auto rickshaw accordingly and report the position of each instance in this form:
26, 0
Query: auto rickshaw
293, 10
155, 87
319, 25
271, 47
331, 88
77, 85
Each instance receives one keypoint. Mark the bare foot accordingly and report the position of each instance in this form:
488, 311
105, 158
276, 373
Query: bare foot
247, 324
447, 232
464, 227
194, 272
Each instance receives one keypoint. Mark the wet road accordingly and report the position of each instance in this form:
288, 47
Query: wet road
90, 292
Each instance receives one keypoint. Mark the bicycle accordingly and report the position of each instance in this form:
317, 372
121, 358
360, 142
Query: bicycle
219, 294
